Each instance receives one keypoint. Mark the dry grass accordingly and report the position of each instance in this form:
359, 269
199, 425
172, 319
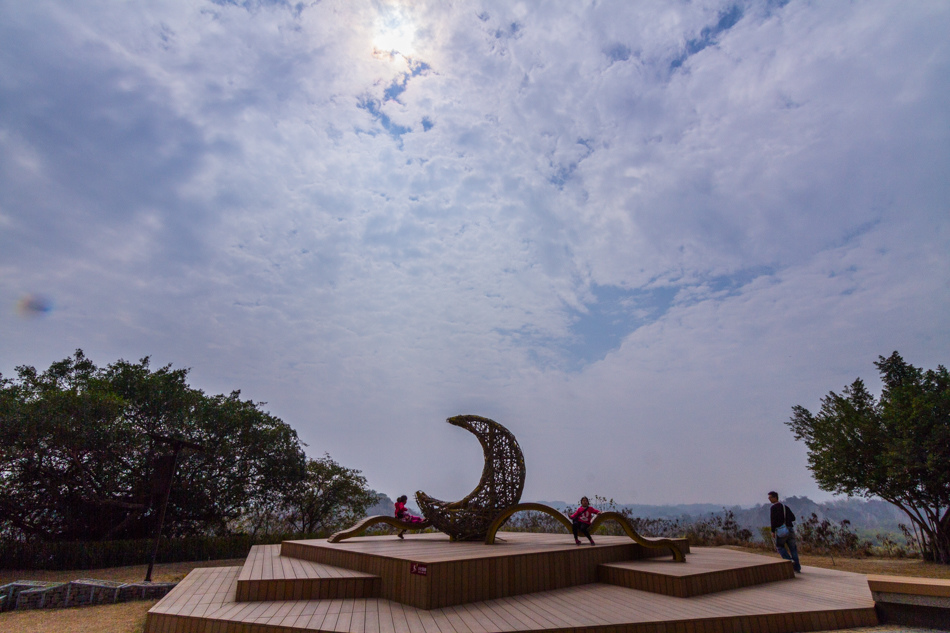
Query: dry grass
128, 617
883, 566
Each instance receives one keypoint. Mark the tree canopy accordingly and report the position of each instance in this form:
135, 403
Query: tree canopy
79, 447
896, 447
331, 496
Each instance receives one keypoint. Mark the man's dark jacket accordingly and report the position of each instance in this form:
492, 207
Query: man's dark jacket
781, 513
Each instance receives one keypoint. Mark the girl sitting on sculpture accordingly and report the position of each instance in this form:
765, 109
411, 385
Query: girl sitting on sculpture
404, 515
581, 520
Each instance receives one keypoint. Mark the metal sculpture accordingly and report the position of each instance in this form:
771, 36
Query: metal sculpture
495, 499
659, 543
603, 517
499, 488
370, 521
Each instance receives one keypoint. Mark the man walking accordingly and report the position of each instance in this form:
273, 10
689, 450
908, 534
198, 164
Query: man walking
784, 531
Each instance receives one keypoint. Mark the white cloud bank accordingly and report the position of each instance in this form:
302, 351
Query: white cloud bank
634, 233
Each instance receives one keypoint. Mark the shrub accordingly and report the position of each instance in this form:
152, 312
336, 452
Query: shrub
61, 555
823, 536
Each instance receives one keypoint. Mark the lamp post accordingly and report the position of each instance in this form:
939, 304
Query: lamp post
162, 484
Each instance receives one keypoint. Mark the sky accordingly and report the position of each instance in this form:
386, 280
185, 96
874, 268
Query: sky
636, 233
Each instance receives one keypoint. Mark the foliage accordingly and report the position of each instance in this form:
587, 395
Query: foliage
330, 497
531, 521
896, 447
103, 554
889, 547
715, 529
79, 444
719, 528
826, 537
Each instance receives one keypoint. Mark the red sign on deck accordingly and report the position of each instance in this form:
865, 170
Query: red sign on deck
418, 568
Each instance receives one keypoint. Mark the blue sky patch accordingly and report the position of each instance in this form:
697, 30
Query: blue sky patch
372, 106
614, 313
709, 35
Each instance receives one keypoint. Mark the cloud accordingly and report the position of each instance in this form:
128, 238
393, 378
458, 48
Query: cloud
636, 233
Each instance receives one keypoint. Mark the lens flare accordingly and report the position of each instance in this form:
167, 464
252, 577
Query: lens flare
32, 306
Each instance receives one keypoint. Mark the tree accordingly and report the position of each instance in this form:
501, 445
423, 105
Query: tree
896, 447
332, 496
79, 446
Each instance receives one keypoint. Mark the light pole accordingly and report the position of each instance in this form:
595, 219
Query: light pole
162, 483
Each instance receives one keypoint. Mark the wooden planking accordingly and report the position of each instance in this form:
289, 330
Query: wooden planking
816, 600
458, 573
433, 548
932, 587
709, 570
266, 575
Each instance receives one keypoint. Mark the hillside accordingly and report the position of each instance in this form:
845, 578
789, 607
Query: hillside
870, 516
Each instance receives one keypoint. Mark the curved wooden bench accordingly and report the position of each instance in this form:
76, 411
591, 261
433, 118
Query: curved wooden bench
911, 601
660, 543
600, 519
523, 507
369, 522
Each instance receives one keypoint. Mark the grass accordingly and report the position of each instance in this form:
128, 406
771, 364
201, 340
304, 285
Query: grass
127, 617
881, 566
130, 616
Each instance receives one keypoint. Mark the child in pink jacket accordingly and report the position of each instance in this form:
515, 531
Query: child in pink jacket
404, 515
581, 520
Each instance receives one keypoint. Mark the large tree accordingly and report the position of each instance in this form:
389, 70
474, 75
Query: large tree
79, 447
896, 447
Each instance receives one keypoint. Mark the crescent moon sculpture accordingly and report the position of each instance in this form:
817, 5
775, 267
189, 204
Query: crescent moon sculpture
499, 488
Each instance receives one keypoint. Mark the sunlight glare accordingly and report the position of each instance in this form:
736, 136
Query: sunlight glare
395, 33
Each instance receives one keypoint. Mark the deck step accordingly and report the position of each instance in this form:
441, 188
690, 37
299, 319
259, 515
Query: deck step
708, 571
266, 575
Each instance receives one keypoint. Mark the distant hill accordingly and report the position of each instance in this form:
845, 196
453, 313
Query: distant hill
653, 512
386, 506
865, 515
871, 515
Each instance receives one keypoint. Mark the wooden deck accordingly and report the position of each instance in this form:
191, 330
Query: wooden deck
266, 575
430, 572
818, 599
709, 570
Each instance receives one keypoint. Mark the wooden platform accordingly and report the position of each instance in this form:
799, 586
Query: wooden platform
709, 570
206, 601
430, 572
267, 575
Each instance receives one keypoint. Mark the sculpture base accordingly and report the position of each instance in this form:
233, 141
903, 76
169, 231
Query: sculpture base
430, 572
284, 594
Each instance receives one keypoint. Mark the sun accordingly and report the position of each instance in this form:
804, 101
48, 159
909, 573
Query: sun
394, 34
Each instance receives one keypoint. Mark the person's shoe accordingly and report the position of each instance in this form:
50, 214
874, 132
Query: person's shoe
577, 542
592, 543
401, 532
